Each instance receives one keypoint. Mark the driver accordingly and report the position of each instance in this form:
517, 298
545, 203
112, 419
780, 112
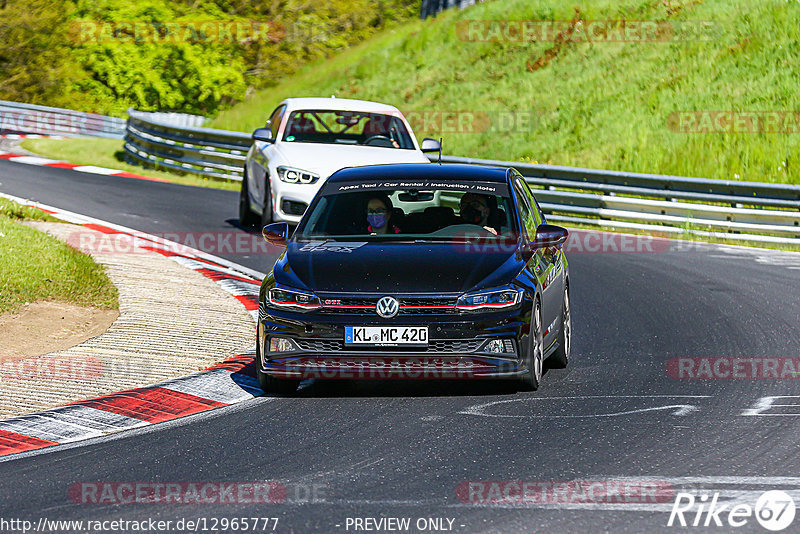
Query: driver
474, 209
375, 127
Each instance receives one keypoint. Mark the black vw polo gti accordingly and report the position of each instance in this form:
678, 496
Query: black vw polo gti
416, 271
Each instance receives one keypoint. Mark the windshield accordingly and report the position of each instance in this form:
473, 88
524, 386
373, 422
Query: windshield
347, 128
443, 211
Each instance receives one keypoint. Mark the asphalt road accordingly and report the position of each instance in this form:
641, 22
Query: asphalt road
348, 450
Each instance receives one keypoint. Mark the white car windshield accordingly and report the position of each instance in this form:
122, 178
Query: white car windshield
347, 128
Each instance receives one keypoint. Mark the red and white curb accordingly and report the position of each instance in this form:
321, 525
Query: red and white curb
92, 169
224, 384
30, 136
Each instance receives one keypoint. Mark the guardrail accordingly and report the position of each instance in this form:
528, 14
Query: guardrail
430, 8
19, 118
739, 210
751, 211
152, 139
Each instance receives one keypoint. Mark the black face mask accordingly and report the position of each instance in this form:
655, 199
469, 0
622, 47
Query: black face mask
471, 214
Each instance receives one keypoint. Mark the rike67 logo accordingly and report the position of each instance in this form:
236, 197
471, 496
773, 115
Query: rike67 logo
774, 510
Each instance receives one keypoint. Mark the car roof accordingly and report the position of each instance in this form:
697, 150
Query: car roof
338, 104
447, 172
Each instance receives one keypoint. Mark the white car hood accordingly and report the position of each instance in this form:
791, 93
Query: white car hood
327, 159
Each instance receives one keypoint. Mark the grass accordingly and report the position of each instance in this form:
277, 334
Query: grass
599, 105
36, 266
108, 153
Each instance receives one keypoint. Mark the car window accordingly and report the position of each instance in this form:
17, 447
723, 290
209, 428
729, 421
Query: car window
537, 210
274, 121
347, 128
430, 213
525, 211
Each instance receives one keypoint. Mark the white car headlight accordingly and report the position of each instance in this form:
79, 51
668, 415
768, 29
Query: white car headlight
490, 299
296, 176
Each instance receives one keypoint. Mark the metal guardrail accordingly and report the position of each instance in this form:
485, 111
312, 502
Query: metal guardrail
151, 139
753, 211
19, 118
430, 8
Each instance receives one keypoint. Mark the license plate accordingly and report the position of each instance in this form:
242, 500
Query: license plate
386, 335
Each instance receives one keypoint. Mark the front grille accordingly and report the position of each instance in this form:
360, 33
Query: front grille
334, 345
408, 306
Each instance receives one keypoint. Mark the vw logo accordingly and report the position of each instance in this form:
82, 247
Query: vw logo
387, 307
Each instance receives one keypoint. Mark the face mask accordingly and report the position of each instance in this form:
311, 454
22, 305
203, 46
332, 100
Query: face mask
376, 220
471, 214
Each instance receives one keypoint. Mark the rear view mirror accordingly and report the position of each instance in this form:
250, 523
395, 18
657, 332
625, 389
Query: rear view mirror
415, 196
548, 235
276, 234
263, 134
430, 145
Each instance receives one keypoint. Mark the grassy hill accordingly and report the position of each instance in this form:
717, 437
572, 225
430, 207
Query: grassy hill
596, 104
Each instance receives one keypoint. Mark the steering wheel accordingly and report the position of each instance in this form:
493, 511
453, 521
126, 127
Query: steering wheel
377, 138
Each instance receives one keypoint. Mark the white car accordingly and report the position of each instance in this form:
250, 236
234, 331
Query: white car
308, 139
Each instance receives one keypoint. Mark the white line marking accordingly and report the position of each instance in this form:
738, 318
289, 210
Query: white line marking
32, 160
95, 170
680, 409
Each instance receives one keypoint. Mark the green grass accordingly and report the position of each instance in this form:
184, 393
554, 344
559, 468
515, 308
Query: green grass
599, 105
108, 153
36, 266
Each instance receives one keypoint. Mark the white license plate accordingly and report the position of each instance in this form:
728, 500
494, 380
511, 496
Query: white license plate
386, 335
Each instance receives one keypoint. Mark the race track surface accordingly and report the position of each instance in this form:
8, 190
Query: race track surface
345, 450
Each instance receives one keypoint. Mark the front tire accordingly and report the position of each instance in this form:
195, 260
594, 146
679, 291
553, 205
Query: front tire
246, 216
266, 213
280, 386
535, 360
560, 357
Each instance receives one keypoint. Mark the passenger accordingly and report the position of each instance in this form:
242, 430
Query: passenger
474, 209
379, 215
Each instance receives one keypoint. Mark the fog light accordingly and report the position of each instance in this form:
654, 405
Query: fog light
499, 346
495, 345
280, 344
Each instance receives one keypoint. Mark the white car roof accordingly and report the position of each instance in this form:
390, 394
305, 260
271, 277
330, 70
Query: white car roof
338, 104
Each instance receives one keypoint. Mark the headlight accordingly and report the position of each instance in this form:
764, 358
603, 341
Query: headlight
289, 298
296, 176
493, 299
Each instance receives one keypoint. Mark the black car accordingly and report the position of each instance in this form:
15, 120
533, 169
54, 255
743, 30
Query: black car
416, 271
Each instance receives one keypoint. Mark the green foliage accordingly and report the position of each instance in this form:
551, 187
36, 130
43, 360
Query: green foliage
36, 266
599, 104
107, 55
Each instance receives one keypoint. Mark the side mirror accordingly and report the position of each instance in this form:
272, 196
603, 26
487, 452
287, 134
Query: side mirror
263, 134
276, 234
430, 145
548, 235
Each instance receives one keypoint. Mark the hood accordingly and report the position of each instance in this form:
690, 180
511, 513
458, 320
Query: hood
393, 267
327, 159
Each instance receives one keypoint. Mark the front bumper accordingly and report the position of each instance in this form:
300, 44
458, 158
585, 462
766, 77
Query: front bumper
457, 347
